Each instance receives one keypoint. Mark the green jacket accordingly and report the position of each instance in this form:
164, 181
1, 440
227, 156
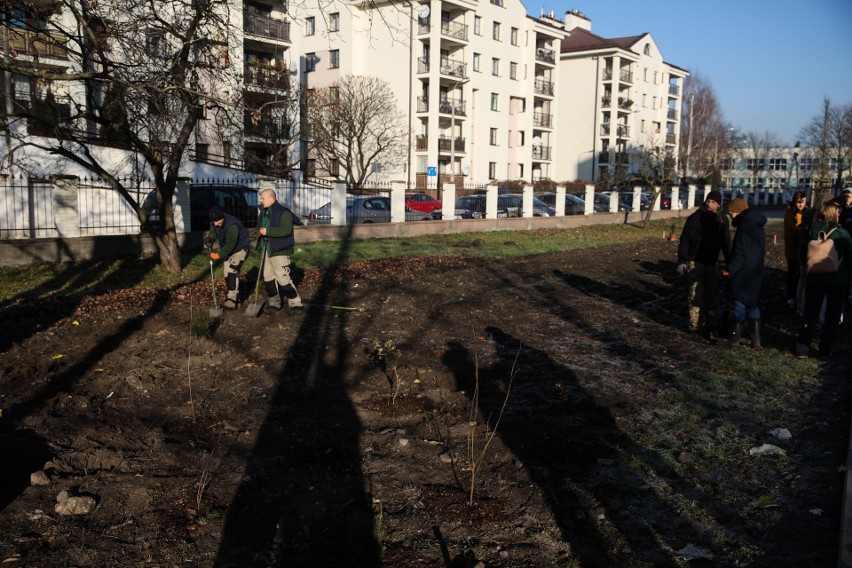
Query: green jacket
843, 245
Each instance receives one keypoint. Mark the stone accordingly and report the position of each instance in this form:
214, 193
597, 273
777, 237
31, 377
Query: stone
39, 478
78, 505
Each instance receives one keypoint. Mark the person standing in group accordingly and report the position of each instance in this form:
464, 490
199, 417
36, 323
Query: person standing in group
705, 234
746, 268
808, 217
792, 232
830, 287
275, 226
845, 200
233, 248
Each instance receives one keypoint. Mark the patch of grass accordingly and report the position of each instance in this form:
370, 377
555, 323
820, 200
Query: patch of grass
96, 276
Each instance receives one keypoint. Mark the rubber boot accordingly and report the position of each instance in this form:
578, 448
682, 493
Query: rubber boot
273, 299
736, 332
754, 333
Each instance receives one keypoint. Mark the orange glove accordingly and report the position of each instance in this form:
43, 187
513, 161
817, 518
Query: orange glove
214, 256
725, 273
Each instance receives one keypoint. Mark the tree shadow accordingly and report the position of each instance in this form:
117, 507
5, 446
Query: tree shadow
302, 499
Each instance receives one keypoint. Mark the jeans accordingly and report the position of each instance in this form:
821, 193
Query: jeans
741, 311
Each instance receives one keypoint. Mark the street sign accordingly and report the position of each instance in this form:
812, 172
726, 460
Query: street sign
432, 171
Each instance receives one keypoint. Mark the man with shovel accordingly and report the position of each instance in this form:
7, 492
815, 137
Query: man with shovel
233, 248
275, 225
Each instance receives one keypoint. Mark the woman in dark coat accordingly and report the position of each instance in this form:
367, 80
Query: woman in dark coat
746, 268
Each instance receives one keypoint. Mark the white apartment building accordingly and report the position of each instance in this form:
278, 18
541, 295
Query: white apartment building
783, 169
615, 95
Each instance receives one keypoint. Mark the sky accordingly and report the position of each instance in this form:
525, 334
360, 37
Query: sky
770, 62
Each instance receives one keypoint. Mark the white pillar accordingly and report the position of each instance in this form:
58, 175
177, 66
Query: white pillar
66, 211
675, 197
590, 199
655, 206
491, 202
559, 205
338, 204
397, 201
613, 202
690, 196
448, 202
527, 206
637, 198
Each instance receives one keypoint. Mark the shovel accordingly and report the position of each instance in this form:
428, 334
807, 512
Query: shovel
215, 311
253, 308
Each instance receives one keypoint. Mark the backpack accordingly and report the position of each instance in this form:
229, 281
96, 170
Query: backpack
822, 256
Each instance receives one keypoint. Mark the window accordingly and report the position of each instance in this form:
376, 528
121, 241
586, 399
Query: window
497, 2
514, 36
155, 44
645, 74
656, 78
642, 126
495, 66
492, 170
644, 100
334, 167
310, 62
310, 26
201, 152
334, 22
520, 171
513, 70
778, 164
476, 62
520, 137
495, 33
477, 25
493, 137
334, 59
495, 101
754, 165
647, 50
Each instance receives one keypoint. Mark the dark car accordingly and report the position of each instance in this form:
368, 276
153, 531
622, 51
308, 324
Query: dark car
573, 205
602, 201
364, 209
473, 207
238, 200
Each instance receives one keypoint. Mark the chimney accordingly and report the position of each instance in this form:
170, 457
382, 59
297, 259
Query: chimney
577, 19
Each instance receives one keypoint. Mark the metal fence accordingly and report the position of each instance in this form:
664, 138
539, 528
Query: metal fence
26, 208
103, 211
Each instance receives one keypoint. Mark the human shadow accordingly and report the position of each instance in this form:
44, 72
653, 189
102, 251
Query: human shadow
302, 499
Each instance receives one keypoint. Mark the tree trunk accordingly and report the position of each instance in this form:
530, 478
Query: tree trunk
169, 251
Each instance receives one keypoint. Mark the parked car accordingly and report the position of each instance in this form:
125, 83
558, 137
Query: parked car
364, 209
508, 205
422, 202
239, 200
602, 200
573, 204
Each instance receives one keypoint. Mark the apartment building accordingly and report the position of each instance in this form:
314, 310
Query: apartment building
615, 96
784, 169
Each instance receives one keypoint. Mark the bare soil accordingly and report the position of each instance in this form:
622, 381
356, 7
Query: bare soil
307, 440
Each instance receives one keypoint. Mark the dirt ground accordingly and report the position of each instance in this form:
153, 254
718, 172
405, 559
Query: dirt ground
306, 440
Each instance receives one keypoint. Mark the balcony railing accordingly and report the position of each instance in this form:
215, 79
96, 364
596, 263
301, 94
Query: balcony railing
42, 44
608, 157
453, 68
542, 120
543, 87
624, 104
541, 153
266, 27
625, 76
671, 114
607, 74
606, 102
423, 27
674, 90
422, 104
454, 30
671, 139
605, 129
259, 75
422, 65
446, 144
447, 105
546, 55
623, 131
421, 142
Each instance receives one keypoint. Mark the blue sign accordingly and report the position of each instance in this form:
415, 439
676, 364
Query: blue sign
432, 171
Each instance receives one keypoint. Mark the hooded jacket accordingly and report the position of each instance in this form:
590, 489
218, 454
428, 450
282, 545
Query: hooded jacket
747, 253
704, 235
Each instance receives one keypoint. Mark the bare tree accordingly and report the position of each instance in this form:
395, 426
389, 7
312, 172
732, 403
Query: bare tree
656, 168
356, 128
139, 77
840, 136
702, 131
818, 135
756, 150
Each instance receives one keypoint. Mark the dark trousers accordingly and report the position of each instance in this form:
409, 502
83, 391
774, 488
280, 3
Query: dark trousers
814, 296
792, 277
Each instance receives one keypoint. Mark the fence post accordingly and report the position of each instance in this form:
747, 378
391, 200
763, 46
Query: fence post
613, 201
690, 195
338, 204
66, 206
675, 197
590, 199
183, 211
527, 201
636, 204
658, 191
559, 204
448, 202
491, 202
397, 201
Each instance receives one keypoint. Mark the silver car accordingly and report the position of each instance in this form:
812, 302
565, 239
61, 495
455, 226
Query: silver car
364, 209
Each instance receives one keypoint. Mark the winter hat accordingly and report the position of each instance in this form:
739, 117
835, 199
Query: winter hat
737, 205
715, 196
216, 213
847, 190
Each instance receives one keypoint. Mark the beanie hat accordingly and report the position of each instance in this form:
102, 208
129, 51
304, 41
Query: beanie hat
715, 196
216, 213
738, 205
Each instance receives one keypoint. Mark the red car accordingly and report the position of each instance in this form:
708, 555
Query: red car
422, 202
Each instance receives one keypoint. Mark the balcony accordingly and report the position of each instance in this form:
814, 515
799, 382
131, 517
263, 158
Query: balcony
423, 27
608, 157
543, 87
421, 143
445, 144
542, 120
605, 129
606, 102
268, 76
671, 114
422, 65
624, 104
422, 104
451, 105
607, 74
623, 131
266, 27
42, 44
625, 76
545, 55
453, 68
541, 153
454, 30
671, 139
674, 90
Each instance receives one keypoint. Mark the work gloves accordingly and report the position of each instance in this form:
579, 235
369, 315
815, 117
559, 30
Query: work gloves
214, 256
682, 269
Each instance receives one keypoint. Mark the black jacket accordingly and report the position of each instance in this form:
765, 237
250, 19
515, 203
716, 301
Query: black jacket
704, 235
747, 252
